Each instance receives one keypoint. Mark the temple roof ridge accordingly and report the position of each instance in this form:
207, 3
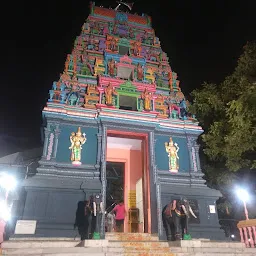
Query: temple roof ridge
102, 11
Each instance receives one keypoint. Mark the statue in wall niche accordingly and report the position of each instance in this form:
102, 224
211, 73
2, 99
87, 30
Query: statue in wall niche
105, 30
140, 73
111, 67
73, 99
164, 57
77, 140
136, 48
131, 33
146, 96
67, 63
86, 28
113, 44
109, 91
86, 69
172, 149
74, 63
90, 44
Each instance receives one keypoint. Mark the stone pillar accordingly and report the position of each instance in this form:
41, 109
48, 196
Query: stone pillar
99, 136
55, 146
197, 157
50, 146
158, 186
193, 154
153, 103
152, 147
159, 210
46, 139
154, 196
103, 179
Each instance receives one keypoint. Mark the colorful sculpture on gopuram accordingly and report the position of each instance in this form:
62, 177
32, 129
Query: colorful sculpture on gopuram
114, 54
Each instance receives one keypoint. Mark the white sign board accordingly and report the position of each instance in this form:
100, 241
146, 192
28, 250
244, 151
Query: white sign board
212, 208
25, 227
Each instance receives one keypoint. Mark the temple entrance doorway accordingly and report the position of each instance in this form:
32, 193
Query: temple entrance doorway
114, 190
128, 151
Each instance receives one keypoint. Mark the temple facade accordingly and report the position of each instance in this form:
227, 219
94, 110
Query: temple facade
118, 103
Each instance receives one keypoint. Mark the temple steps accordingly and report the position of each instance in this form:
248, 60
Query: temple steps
128, 244
131, 236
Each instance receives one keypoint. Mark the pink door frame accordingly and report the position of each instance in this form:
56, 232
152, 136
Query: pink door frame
145, 173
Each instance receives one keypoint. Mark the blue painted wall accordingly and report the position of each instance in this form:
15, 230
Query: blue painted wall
89, 151
162, 160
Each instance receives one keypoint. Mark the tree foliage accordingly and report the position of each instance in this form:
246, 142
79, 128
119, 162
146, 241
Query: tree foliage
227, 113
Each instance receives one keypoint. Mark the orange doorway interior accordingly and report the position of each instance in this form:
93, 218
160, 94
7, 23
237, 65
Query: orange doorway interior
129, 150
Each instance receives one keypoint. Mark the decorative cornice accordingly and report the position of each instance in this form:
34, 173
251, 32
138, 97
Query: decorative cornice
67, 172
72, 121
139, 127
84, 167
192, 178
148, 119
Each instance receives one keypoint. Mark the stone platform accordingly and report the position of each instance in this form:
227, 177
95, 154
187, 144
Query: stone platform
123, 244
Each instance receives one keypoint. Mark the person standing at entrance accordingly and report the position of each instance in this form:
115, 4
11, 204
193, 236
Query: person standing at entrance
120, 213
83, 213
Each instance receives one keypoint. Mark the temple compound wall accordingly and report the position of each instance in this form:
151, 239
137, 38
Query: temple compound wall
117, 78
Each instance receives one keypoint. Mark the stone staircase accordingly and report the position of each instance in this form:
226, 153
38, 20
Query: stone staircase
123, 244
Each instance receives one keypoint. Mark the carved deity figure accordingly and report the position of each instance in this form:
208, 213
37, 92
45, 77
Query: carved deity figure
146, 96
136, 49
161, 99
77, 140
86, 28
109, 91
113, 44
90, 43
140, 75
67, 63
172, 149
74, 62
73, 99
131, 33
111, 67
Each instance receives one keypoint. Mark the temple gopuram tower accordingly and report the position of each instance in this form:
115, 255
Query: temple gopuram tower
117, 124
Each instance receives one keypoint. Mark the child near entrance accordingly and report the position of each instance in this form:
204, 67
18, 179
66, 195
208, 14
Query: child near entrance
120, 213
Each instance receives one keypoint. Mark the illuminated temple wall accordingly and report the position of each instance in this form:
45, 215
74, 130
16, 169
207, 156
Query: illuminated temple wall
118, 51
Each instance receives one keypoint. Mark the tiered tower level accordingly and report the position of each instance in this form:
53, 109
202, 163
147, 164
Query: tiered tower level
118, 54
117, 83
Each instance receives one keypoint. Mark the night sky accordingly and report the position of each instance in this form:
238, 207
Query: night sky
203, 40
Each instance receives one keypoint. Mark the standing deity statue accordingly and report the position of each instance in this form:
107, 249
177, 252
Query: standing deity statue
136, 49
67, 64
109, 91
113, 44
111, 67
77, 140
146, 96
140, 75
172, 149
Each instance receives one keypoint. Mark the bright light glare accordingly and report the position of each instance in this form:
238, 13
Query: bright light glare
8, 182
5, 211
242, 194
232, 236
